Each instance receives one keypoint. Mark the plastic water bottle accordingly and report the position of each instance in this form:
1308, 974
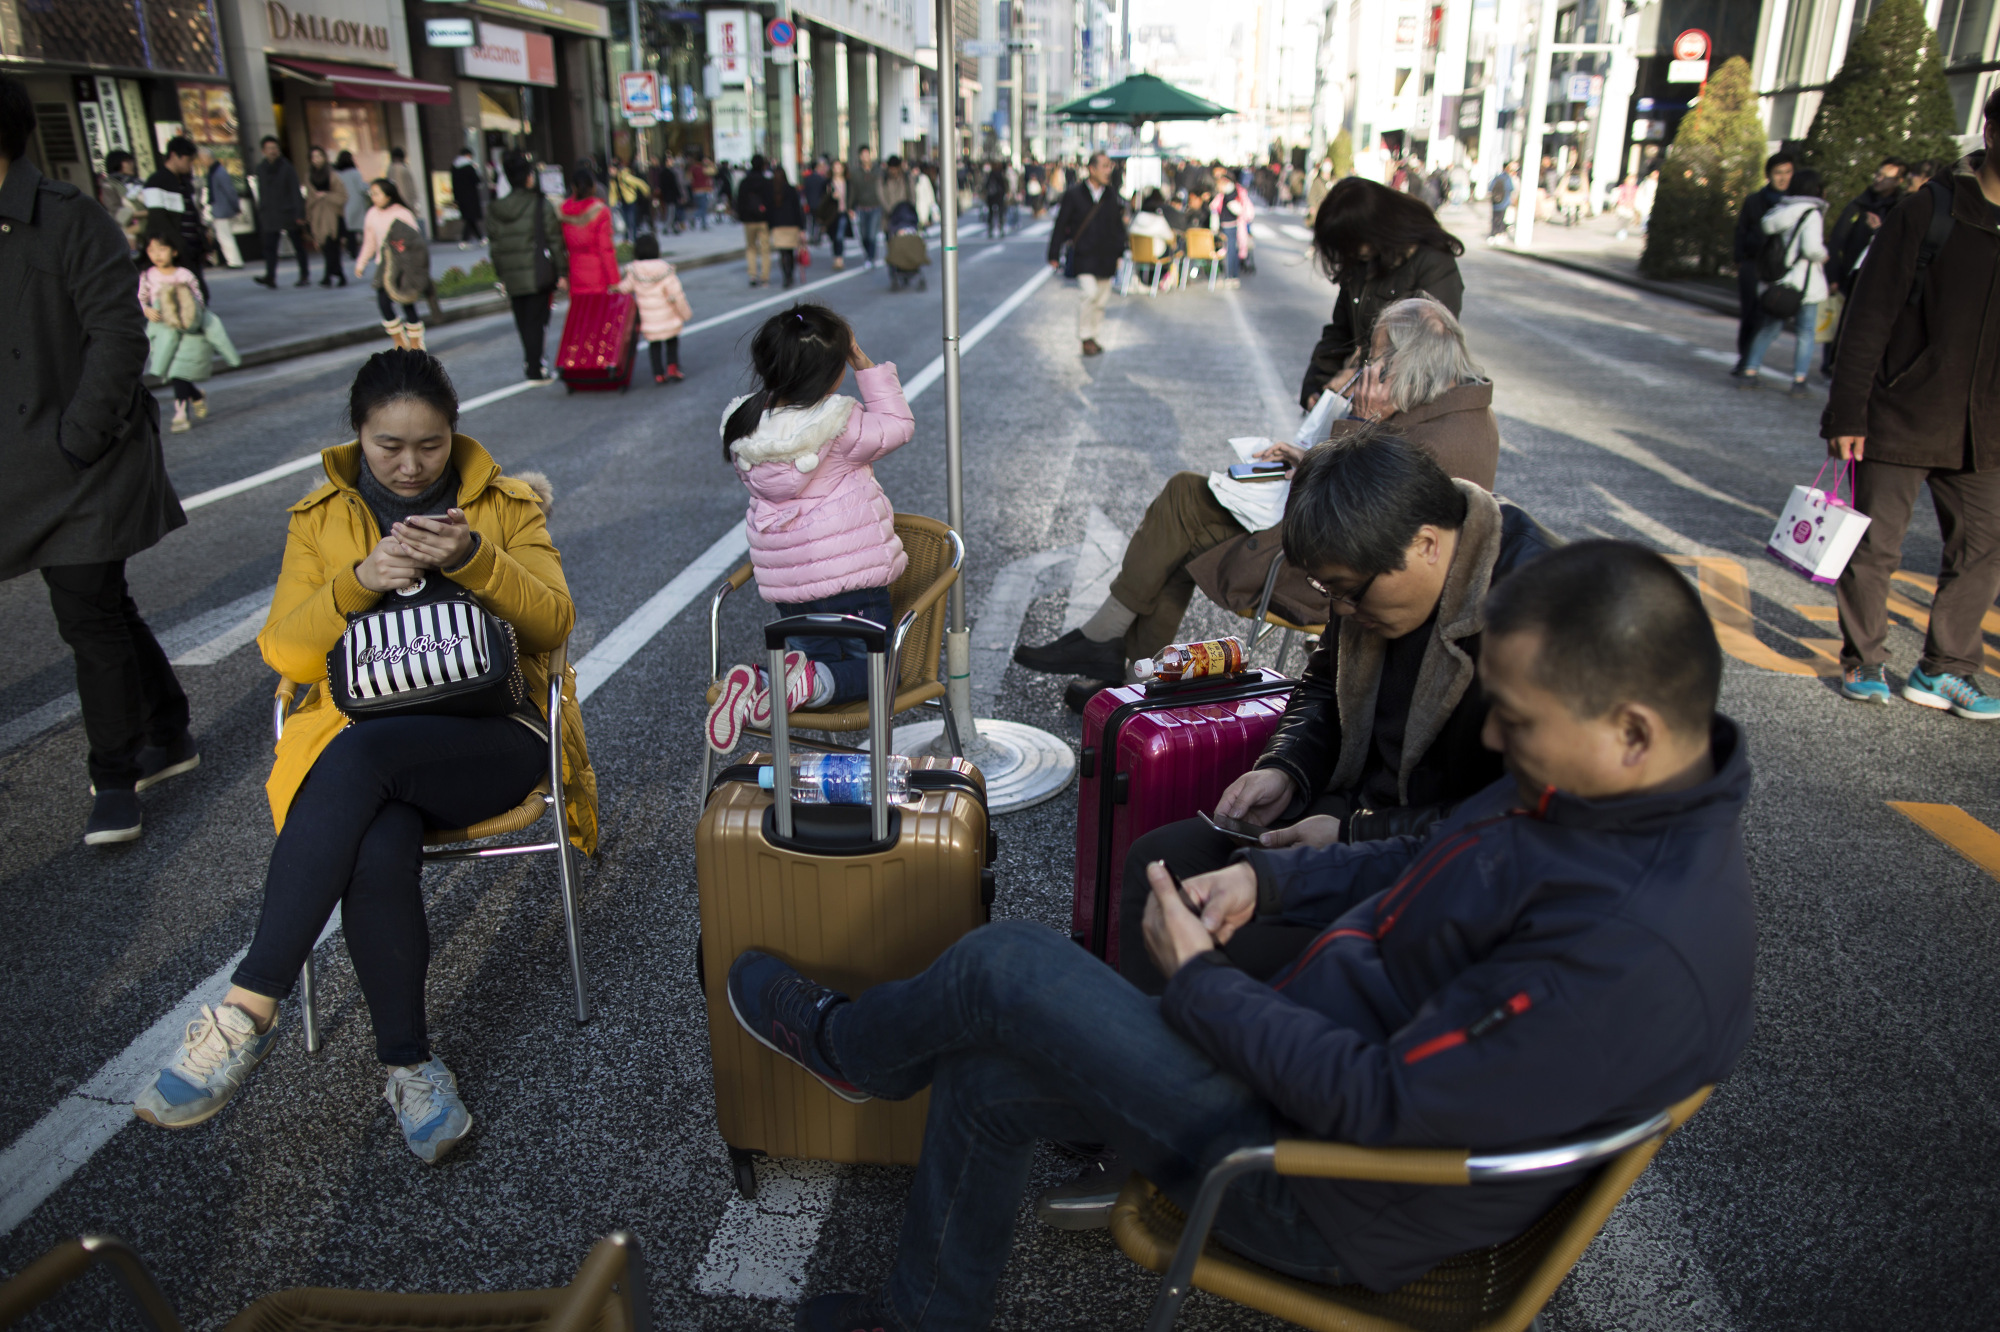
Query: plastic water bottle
1192, 661
839, 779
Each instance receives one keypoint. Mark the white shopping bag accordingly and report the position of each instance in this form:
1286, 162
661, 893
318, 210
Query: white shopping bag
1818, 531
1319, 421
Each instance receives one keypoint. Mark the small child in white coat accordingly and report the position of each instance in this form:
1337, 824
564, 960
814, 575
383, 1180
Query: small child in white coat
663, 306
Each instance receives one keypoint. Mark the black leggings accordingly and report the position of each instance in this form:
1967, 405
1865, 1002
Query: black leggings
669, 349
388, 309
354, 837
184, 391
531, 321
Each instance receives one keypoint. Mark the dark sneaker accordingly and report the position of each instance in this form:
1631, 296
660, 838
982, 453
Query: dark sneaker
114, 817
159, 762
1078, 693
1085, 1202
785, 1013
845, 1311
1073, 654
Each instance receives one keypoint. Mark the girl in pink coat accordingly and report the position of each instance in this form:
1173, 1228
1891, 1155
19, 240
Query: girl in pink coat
822, 533
663, 306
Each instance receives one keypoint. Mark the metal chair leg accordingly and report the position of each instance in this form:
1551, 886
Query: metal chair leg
951, 730
1179, 1279
1285, 648
572, 929
309, 1005
707, 774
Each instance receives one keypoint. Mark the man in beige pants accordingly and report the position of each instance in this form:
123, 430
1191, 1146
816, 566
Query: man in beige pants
1091, 219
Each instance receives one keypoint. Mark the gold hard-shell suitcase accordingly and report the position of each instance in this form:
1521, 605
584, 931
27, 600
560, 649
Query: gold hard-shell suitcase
851, 895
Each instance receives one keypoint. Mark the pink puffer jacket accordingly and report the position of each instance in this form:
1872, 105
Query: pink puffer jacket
819, 522
663, 306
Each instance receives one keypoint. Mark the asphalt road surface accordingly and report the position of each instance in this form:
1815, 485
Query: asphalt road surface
1843, 1178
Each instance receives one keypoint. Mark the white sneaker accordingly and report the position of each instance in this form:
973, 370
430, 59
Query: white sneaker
218, 1052
432, 1117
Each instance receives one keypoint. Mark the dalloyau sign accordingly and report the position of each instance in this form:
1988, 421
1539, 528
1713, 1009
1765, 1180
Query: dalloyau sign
288, 25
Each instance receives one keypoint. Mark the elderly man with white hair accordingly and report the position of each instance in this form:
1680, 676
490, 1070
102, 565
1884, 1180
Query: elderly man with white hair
1419, 380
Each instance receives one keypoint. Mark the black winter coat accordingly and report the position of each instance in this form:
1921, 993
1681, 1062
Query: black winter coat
1750, 223
1098, 246
280, 207
1922, 382
1363, 294
753, 198
81, 439
468, 192
1522, 977
1444, 761
192, 237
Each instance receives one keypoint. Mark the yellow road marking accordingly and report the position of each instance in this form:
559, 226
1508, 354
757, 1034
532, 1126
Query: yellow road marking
1957, 830
1725, 591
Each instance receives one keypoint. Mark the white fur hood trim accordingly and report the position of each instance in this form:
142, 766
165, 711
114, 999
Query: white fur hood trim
792, 434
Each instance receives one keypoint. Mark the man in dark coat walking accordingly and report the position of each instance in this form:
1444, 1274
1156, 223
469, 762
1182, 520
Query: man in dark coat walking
281, 211
1916, 402
468, 193
1093, 221
1749, 240
171, 189
89, 486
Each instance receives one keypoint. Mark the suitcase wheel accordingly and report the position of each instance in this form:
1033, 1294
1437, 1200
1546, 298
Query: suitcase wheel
744, 1164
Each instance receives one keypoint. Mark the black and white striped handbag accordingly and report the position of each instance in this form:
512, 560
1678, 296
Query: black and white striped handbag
431, 650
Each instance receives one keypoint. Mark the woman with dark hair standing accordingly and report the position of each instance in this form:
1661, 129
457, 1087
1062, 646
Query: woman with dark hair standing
1379, 246
788, 220
408, 500
586, 219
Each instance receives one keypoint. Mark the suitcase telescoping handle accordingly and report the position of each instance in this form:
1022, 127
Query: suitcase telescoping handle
874, 638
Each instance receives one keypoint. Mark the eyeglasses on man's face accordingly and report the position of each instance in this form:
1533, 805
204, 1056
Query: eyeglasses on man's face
1350, 598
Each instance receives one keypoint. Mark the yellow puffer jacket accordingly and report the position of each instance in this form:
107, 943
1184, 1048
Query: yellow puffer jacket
516, 574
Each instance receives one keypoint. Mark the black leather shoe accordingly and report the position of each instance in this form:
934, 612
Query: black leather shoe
1085, 1202
265, 282
1073, 654
114, 817
159, 762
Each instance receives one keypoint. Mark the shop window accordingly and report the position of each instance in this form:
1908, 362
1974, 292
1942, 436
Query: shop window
356, 127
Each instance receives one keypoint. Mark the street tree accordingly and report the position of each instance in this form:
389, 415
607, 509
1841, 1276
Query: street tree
1714, 162
1888, 100
1341, 150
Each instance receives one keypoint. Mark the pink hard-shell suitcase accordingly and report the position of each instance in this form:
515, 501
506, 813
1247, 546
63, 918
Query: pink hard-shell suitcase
599, 337
1154, 755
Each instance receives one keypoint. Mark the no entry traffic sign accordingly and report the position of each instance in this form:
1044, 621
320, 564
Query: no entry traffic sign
780, 32
1691, 45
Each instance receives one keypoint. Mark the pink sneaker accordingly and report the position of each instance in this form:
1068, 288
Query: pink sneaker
732, 706
798, 689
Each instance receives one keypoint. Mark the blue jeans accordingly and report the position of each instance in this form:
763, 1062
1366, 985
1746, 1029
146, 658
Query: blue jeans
844, 657
1806, 321
869, 218
634, 214
1230, 257
354, 838
702, 200
1021, 1035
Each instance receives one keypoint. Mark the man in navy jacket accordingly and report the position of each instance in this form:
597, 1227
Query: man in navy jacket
1567, 954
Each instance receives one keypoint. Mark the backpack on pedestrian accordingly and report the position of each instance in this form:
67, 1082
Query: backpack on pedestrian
1775, 265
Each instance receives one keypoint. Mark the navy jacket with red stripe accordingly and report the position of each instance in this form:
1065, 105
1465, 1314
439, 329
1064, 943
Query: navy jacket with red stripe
1513, 979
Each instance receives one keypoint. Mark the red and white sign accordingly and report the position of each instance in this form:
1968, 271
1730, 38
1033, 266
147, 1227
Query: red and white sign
1691, 45
730, 39
639, 92
509, 55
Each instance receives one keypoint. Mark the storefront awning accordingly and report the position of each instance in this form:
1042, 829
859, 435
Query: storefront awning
362, 83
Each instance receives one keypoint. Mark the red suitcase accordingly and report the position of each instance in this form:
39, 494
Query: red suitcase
598, 339
1153, 755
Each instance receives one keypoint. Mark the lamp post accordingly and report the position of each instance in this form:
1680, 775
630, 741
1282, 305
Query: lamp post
1022, 765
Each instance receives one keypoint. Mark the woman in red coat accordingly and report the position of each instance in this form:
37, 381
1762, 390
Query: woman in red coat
593, 263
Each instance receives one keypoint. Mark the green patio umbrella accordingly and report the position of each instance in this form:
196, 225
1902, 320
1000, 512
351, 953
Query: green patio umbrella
1140, 98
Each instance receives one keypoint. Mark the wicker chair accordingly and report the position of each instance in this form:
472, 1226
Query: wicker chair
1499, 1289
546, 800
1201, 249
1268, 619
609, 1294
1150, 252
936, 555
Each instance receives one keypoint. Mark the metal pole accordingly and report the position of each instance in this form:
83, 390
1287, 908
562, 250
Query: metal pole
788, 102
638, 64
958, 637
1537, 107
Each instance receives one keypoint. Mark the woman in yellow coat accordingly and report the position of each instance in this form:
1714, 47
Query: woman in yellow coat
409, 500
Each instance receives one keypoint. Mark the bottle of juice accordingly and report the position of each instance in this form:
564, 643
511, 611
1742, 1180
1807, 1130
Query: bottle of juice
839, 779
1192, 661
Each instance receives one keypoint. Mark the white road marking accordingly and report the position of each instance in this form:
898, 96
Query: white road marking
761, 1248
767, 1248
997, 624
226, 642
1097, 562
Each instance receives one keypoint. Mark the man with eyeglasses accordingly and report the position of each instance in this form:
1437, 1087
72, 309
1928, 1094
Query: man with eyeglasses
1381, 738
